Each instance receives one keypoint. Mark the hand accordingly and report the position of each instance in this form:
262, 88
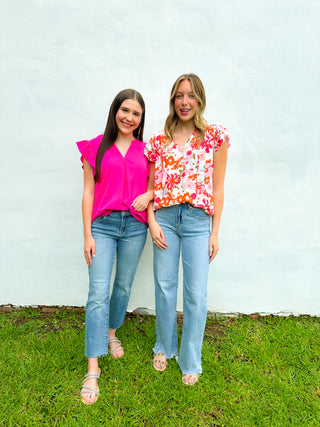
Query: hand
157, 235
213, 247
89, 249
140, 203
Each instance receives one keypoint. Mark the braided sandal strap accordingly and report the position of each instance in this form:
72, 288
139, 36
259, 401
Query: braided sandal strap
89, 376
86, 389
116, 347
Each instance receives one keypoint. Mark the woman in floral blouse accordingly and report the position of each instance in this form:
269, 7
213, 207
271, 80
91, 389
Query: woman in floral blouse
190, 160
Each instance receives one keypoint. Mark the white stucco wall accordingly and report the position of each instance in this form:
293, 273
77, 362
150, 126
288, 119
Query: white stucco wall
62, 62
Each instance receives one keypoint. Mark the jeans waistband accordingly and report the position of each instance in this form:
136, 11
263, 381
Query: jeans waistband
120, 213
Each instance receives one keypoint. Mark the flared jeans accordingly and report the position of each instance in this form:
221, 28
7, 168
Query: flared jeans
118, 235
186, 230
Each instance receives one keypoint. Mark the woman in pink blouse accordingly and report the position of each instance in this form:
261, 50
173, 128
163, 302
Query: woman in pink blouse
114, 203
190, 160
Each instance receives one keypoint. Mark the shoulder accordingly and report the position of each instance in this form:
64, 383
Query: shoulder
89, 148
157, 136
217, 134
138, 143
158, 140
138, 146
216, 131
154, 146
90, 143
95, 142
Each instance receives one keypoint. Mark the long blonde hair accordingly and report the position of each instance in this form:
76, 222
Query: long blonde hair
199, 121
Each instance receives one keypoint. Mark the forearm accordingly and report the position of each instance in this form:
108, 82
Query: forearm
150, 212
150, 185
149, 194
220, 162
218, 198
87, 205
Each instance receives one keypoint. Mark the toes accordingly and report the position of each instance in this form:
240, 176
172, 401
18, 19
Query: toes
88, 398
158, 365
159, 362
190, 379
117, 354
116, 349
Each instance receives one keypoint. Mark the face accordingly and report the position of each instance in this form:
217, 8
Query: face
185, 102
128, 116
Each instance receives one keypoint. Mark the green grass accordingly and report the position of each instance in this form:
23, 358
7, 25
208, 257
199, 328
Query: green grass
262, 372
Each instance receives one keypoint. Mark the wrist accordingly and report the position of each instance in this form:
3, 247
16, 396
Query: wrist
150, 194
151, 221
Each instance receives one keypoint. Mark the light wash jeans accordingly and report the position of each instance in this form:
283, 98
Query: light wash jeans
120, 234
185, 228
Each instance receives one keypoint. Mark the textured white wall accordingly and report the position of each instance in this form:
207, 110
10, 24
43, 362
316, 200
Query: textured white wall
62, 62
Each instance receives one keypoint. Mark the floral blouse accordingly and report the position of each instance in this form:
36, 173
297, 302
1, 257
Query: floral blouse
184, 174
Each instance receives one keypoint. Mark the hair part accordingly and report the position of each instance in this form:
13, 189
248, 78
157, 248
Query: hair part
111, 131
199, 121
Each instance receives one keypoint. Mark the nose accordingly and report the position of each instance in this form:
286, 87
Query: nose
130, 117
184, 100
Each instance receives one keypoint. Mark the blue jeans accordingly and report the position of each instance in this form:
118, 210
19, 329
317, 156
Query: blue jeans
118, 233
186, 229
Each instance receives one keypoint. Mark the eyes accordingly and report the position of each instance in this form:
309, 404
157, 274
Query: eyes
126, 110
181, 95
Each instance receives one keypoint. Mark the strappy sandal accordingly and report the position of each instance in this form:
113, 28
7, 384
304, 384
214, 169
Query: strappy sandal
87, 389
190, 379
159, 362
116, 348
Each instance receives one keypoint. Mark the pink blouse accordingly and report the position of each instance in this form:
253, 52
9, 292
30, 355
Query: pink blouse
121, 180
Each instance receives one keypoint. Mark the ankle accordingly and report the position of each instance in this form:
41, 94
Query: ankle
112, 333
93, 366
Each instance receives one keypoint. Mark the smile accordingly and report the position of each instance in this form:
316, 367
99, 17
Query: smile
127, 125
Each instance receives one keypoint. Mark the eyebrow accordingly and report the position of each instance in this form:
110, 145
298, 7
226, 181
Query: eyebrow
181, 93
127, 108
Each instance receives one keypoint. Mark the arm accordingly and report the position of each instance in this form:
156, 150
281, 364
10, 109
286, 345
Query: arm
87, 205
140, 203
220, 163
155, 229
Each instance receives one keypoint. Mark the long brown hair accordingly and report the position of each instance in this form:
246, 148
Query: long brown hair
199, 121
111, 131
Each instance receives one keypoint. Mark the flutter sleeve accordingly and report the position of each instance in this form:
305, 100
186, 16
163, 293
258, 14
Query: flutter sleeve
221, 135
89, 149
151, 150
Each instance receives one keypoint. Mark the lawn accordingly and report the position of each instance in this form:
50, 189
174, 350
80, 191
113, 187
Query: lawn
256, 372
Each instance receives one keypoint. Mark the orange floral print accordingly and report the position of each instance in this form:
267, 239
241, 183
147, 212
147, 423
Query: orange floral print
184, 174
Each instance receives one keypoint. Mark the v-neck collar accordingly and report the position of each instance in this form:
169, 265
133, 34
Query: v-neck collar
188, 141
124, 156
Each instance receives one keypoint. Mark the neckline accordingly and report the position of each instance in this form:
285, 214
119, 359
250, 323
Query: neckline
187, 141
125, 155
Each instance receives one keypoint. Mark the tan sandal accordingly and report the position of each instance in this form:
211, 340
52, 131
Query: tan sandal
190, 379
87, 389
159, 362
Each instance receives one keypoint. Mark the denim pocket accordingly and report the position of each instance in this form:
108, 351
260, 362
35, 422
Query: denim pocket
99, 219
197, 213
